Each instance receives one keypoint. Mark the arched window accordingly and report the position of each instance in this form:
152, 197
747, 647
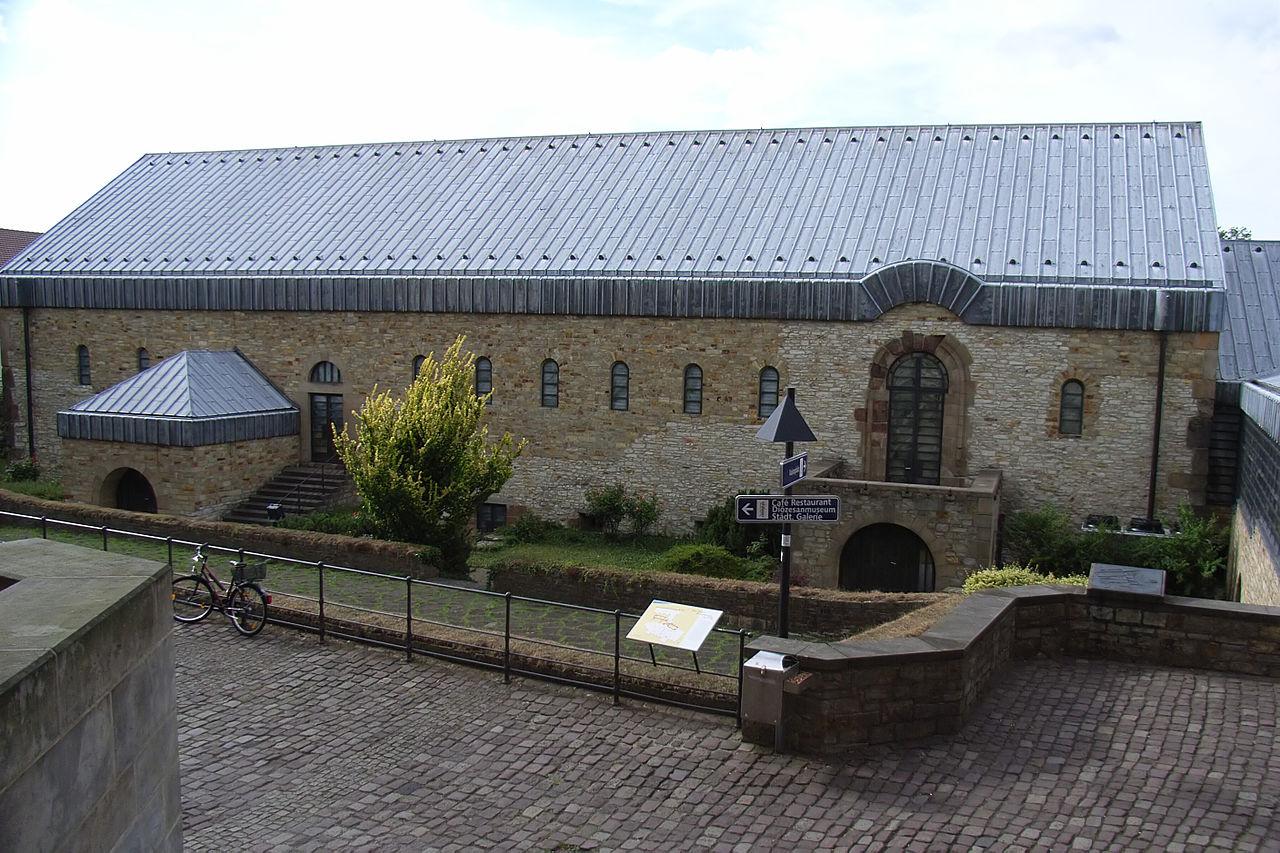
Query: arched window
484, 376
144, 359
917, 392
550, 384
619, 386
768, 397
82, 365
1071, 408
693, 390
326, 373
418, 361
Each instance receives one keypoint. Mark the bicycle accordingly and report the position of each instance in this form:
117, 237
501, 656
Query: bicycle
242, 600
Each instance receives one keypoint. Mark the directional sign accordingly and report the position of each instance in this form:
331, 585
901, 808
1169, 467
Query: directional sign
795, 469
776, 509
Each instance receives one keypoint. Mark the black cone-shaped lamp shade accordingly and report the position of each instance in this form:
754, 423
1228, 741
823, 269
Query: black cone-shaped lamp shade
786, 423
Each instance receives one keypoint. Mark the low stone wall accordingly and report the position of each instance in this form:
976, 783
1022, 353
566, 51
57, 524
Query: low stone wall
371, 555
753, 606
849, 694
89, 752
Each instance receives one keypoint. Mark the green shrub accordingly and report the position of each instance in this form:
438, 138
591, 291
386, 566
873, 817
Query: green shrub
745, 540
1013, 574
713, 561
343, 521
22, 471
1194, 558
607, 507
531, 528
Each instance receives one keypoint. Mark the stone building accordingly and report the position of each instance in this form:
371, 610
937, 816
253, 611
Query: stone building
976, 318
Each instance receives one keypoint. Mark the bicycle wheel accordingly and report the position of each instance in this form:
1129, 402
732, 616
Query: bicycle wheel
192, 598
247, 607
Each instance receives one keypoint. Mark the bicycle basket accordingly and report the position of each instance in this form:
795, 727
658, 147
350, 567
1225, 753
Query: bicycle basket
245, 572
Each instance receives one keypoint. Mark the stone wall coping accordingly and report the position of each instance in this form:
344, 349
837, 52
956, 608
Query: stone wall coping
951, 636
979, 613
62, 592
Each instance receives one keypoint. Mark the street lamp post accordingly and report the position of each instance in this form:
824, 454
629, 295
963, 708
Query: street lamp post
786, 425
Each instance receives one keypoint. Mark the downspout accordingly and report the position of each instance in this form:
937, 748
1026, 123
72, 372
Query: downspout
26, 352
1163, 307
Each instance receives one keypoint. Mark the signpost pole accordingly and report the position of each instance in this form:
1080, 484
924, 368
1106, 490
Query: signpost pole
784, 591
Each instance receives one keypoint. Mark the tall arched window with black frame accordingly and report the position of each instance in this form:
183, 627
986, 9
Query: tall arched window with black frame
484, 376
550, 384
767, 399
619, 386
693, 390
917, 395
1071, 408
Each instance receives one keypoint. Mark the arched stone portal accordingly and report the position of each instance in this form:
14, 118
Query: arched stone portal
127, 488
887, 558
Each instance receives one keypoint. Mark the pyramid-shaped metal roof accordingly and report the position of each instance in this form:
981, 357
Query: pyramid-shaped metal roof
194, 398
1044, 203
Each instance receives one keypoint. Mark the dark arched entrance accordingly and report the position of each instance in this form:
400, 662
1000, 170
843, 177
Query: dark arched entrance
887, 558
134, 492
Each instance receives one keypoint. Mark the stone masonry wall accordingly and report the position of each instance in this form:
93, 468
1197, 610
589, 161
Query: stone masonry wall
200, 482
848, 694
694, 461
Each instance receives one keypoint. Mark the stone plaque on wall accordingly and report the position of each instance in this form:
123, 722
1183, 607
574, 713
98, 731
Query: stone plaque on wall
1130, 580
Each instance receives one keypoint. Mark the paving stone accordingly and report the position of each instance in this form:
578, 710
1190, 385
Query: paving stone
287, 743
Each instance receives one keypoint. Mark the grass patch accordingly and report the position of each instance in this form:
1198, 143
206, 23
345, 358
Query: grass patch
578, 548
49, 490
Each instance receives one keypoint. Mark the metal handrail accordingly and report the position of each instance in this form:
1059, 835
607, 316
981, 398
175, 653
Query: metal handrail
323, 473
408, 634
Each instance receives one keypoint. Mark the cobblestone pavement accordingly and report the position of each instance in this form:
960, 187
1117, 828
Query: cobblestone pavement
290, 744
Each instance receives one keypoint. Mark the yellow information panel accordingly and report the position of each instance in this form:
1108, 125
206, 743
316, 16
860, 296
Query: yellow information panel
681, 626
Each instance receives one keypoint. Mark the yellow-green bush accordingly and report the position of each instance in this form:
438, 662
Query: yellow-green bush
1012, 574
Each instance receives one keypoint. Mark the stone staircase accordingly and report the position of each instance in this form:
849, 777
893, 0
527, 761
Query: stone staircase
298, 489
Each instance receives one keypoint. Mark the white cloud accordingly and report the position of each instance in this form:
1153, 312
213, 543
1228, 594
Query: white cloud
87, 86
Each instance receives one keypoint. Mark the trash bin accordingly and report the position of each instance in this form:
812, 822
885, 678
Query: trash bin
763, 677
275, 512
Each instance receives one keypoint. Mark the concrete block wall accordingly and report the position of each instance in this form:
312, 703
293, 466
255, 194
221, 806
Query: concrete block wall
850, 694
89, 753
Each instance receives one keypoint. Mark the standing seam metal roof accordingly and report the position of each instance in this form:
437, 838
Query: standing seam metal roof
1063, 203
1249, 347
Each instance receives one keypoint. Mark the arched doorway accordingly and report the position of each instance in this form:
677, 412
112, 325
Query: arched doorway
133, 491
887, 558
326, 412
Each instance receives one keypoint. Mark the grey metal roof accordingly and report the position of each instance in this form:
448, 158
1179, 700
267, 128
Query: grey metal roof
1250, 343
1061, 204
1260, 400
193, 398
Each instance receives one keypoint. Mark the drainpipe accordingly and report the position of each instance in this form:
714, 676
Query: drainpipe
26, 347
1164, 307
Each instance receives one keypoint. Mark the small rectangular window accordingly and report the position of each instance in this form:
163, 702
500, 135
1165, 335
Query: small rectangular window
491, 517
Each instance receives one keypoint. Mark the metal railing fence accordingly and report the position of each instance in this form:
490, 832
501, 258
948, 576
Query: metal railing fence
566, 643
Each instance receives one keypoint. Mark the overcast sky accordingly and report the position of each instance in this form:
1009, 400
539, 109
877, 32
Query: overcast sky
88, 86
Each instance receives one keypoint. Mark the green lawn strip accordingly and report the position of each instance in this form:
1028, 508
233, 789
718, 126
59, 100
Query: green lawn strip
543, 623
